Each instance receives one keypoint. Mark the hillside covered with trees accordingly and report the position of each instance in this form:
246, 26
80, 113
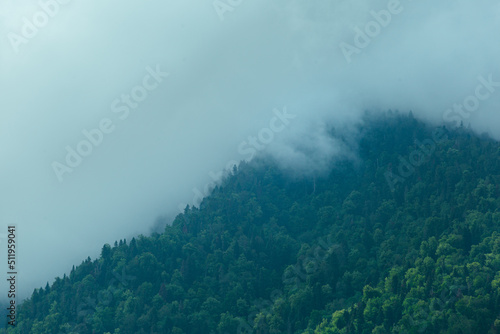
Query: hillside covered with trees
403, 239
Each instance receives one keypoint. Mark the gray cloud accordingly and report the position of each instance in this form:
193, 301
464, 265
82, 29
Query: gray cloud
226, 78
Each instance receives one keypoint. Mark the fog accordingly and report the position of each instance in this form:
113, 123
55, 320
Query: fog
156, 98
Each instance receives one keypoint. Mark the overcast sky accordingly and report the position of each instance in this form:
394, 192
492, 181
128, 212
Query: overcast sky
179, 89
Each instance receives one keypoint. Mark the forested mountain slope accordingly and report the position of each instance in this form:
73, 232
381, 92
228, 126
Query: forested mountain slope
386, 243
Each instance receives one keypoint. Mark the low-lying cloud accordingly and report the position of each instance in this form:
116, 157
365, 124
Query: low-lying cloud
225, 79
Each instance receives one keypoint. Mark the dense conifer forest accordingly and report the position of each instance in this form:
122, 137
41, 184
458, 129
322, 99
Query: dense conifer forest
403, 238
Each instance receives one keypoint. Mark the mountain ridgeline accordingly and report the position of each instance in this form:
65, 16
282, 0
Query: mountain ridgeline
403, 239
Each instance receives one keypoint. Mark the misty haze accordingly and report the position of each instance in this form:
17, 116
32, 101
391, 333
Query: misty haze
237, 166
